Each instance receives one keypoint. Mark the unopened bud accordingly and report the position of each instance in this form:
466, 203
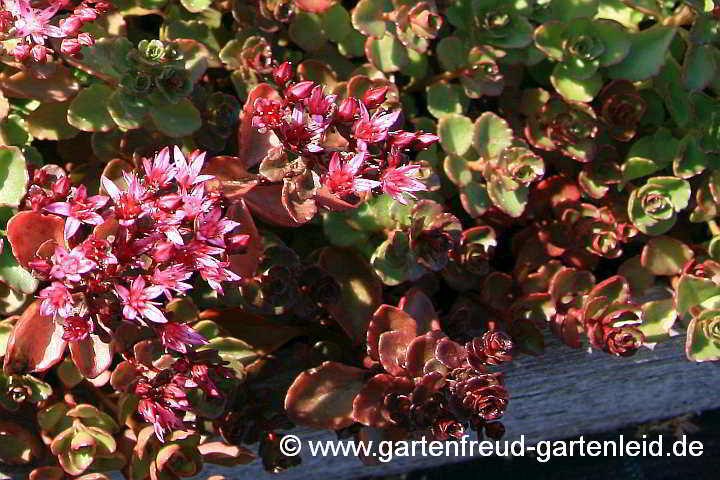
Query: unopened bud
282, 73
347, 110
375, 97
39, 53
299, 91
86, 40
236, 243
70, 46
61, 187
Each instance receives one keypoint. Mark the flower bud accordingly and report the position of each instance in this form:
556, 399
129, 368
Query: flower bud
375, 97
401, 139
86, 14
21, 51
85, 39
424, 140
39, 53
71, 25
236, 243
70, 46
282, 73
299, 91
347, 110
61, 187
40, 266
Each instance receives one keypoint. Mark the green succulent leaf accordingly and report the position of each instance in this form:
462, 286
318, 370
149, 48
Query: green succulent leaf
703, 338
386, 53
491, 135
665, 256
456, 134
178, 119
647, 54
13, 176
88, 111
444, 99
658, 318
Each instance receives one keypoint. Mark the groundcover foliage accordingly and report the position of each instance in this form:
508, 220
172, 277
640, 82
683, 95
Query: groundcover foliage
223, 218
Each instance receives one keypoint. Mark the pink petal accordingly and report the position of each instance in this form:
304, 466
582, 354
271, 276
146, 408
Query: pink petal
59, 208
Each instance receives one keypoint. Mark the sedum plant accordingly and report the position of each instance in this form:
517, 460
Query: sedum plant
208, 210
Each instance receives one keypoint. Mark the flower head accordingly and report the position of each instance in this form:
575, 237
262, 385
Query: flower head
178, 337
56, 299
342, 177
70, 265
79, 209
397, 181
137, 301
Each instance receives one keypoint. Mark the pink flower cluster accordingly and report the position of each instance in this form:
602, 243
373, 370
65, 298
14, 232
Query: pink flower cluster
374, 155
129, 253
31, 27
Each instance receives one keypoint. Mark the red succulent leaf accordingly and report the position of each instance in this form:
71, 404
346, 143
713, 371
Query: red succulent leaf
323, 397
388, 318
265, 201
392, 349
325, 198
420, 307
58, 87
231, 177
567, 328
245, 264
35, 343
568, 284
123, 375
253, 146
450, 353
368, 404
553, 191
614, 290
27, 231
420, 351
91, 356
221, 453
360, 291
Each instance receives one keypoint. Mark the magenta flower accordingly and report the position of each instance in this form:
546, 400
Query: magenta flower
56, 299
130, 203
162, 418
178, 337
70, 265
32, 24
196, 202
215, 275
376, 128
159, 173
79, 209
397, 181
342, 178
76, 328
172, 278
137, 301
321, 107
212, 227
188, 174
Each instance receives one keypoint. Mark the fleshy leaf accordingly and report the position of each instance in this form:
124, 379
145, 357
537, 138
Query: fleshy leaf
491, 135
35, 344
176, 119
13, 176
665, 256
456, 133
323, 397
88, 111
647, 54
